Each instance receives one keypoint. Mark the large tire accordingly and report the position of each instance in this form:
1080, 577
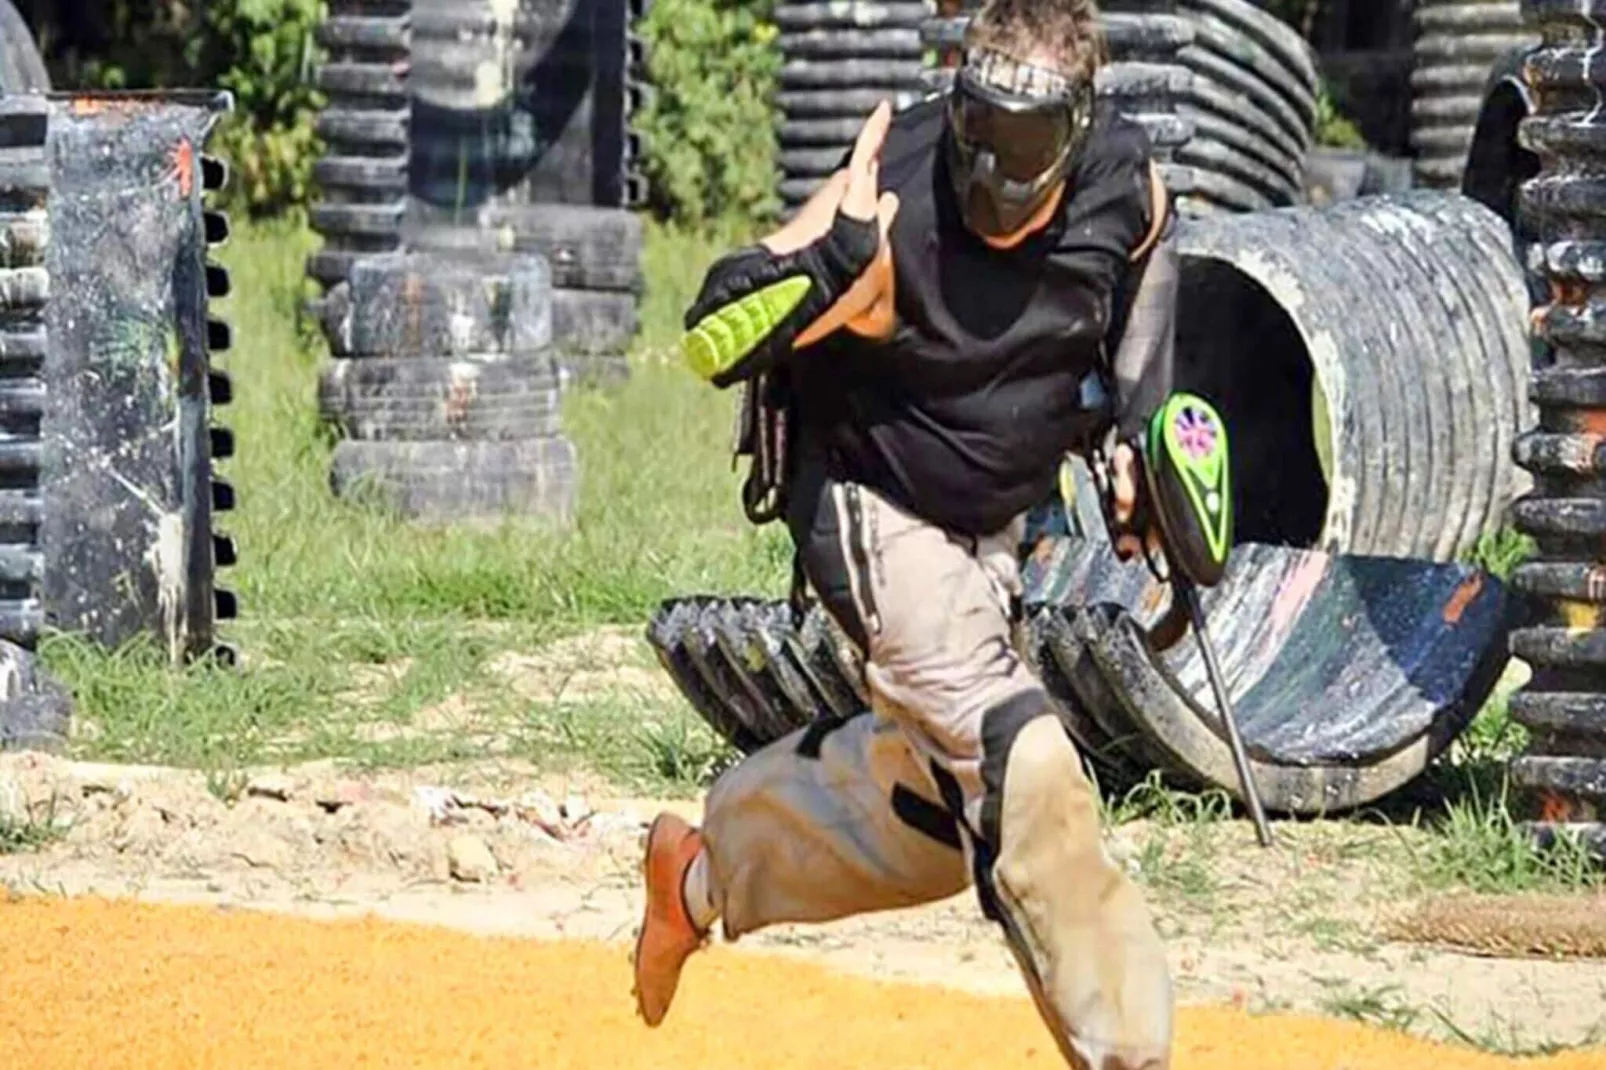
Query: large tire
430, 400
22, 68
450, 480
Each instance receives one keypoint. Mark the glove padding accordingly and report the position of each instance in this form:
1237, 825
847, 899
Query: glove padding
755, 303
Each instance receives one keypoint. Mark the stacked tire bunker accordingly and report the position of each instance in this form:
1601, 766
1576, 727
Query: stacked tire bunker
1564, 704
126, 481
1350, 672
445, 386
1457, 43
362, 176
839, 59
521, 142
1226, 91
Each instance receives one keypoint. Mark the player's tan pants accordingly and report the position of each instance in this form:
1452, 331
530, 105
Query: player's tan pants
961, 774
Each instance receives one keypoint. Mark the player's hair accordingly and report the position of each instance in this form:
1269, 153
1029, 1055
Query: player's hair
1020, 28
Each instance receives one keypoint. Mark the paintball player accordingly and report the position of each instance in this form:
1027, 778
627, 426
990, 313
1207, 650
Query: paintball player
936, 312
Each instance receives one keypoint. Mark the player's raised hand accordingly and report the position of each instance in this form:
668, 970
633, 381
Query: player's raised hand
852, 190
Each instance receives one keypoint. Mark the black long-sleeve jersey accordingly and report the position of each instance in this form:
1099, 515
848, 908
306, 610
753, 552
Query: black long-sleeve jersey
963, 415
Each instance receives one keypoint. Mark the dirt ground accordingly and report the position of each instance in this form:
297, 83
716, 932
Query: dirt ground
497, 849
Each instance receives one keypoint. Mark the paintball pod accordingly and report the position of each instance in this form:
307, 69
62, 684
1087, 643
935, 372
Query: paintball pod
1184, 495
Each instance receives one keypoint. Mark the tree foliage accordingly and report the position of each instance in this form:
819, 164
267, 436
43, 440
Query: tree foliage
709, 120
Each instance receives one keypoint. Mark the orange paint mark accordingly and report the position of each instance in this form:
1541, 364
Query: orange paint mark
1591, 422
87, 106
1463, 596
1556, 808
184, 166
1297, 589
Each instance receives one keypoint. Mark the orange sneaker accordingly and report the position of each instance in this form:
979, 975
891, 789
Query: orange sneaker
668, 936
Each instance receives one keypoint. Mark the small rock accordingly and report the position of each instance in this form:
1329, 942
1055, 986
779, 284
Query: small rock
274, 786
470, 860
575, 810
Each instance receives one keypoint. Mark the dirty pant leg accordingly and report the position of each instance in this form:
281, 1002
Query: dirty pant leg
933, 612
832, 820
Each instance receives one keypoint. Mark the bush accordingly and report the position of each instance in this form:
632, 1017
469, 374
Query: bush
709, 123
260, 50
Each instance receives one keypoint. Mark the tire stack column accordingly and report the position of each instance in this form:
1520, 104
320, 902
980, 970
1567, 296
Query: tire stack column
1564, 704
840, 59
362, 176
446, 389
521, 143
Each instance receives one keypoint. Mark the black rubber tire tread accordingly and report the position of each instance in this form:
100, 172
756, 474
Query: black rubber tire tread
1460, 109
666, 635
1252, 145
370, 129
1244, 51
1272, 33
332, 265
22, 68
1253, 90
1180, 179
1224, 160
1441, 142
587, 247
412, 399
593, 321
379, 174
1460, 18
849, 74
841, 103
1224, 190
382, 82
1452, 50
846, 44
1205, 95
1448, 79
369, 220
348, 34
851, 14
1154, 86
449, 480
820, 133
810, 162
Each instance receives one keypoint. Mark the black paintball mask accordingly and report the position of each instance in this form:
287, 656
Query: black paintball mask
1014, 132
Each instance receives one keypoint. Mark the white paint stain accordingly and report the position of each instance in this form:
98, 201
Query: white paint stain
165, 556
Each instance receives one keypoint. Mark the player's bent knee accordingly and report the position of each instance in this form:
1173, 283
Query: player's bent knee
1077, 924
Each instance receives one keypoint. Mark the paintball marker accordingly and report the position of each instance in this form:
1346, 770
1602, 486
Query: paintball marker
1184, 495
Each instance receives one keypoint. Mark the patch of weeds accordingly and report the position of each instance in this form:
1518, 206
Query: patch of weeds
1153, 800
1501, 551
1380, 1005
26, 831
1500, 1035
1479, 846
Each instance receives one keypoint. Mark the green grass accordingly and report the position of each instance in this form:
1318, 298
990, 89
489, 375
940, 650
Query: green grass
325, 585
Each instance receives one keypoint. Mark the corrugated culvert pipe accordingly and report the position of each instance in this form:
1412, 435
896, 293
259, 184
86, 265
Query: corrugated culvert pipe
1384, 438
1562, 207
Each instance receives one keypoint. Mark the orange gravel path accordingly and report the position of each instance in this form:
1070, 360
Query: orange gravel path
86, 983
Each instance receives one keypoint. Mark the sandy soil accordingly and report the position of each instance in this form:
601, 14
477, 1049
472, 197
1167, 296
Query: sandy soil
495, 848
